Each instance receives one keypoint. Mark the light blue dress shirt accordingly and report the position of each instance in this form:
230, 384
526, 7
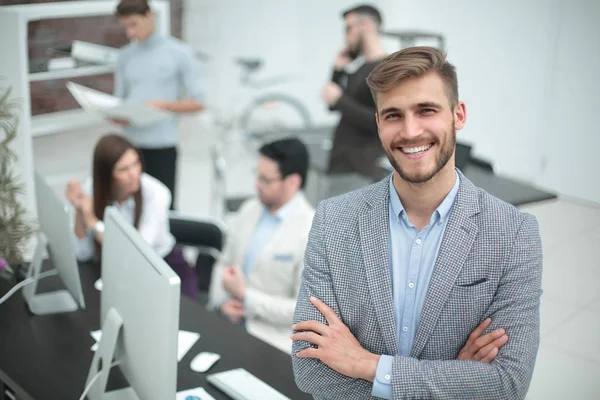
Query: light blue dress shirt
412, 256
264, 231
161, 68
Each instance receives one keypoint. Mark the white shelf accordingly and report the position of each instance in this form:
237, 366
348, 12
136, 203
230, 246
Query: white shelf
62, 121
71, 73
72, 9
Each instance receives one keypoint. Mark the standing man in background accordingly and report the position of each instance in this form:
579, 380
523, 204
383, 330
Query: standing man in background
160, 72
356, 146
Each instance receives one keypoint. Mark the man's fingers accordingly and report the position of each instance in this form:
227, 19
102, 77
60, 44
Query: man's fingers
309, 352
327, 312
496, 344
487, 339
314, 326
480, 329
490, 356
308, 336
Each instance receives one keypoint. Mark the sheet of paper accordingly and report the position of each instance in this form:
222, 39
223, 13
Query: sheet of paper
111, 107
194, 394
185, 341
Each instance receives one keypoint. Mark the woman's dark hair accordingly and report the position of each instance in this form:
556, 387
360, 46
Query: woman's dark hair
108, 151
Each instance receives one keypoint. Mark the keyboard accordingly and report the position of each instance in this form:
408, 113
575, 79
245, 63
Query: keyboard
240, 384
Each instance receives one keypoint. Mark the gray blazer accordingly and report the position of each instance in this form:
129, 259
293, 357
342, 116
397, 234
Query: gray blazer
489, 265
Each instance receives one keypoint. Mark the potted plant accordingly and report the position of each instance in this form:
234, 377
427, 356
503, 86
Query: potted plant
15, 227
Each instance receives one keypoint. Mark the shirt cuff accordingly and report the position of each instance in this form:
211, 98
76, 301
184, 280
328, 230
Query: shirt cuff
217, 304
382, 385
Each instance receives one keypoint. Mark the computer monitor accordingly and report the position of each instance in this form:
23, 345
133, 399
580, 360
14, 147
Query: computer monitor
55, 237
139, 316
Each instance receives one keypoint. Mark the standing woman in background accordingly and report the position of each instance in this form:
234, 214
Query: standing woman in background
119, 180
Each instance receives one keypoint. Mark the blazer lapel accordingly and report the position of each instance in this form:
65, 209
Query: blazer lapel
458, 239
374, 233
280, 236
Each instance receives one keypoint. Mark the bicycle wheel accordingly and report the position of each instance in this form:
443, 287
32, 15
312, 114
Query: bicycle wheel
274, 113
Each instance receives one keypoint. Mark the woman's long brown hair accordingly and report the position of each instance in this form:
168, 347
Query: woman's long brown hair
108, 151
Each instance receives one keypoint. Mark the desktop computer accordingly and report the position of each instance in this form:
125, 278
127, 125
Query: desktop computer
55, 236
139, 315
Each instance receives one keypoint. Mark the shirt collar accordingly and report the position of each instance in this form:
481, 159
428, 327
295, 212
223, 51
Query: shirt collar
154, 38
285, 210
443, 209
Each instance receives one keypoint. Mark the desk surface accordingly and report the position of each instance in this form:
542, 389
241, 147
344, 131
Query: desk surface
48, 357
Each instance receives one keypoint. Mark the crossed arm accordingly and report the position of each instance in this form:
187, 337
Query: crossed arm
340, 368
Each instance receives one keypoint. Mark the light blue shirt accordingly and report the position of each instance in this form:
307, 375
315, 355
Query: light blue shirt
263, 233
412, 256
161, 68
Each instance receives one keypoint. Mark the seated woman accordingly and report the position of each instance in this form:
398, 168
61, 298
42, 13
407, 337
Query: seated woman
118, 180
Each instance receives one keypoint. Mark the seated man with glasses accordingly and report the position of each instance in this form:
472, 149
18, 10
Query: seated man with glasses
256, 279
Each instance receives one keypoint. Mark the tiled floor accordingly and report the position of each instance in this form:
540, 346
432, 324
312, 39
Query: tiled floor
568, 365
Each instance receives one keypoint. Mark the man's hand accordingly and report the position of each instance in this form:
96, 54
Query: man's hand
158, 105
483, 348
233, 310
337, 347
342, 59
331, 93
121, 122
234, 282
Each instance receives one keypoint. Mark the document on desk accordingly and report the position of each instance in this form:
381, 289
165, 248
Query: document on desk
194, 394
185, 341
110, 107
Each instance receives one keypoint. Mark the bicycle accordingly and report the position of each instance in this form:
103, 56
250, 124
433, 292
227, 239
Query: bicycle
262, 110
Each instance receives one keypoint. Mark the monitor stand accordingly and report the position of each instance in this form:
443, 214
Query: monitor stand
59, 301
103, 359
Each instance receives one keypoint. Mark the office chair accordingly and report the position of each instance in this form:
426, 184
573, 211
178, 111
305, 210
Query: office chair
207, 236
221, 204
481, 163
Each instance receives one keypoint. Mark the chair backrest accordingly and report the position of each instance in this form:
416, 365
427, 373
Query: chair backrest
219, 165
207, 235
481, 163
462, 155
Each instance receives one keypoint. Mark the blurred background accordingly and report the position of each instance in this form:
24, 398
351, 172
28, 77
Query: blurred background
527, 71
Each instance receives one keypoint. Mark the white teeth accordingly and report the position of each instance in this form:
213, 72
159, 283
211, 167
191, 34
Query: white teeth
414, 150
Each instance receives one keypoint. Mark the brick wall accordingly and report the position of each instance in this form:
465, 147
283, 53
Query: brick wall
52, 96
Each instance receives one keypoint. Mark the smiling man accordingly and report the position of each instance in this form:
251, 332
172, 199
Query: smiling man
399, 274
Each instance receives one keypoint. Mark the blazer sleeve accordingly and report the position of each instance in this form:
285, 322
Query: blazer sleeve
313, 376
216, 291
516, 309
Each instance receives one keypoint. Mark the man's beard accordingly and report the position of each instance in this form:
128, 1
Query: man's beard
354, 52
442, 159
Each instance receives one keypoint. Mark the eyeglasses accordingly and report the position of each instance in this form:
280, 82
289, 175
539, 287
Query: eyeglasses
267, 181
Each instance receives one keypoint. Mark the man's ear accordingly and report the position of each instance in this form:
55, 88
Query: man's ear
460, 115
295, 180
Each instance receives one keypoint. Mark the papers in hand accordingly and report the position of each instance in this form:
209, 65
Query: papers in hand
185, 341
110, 107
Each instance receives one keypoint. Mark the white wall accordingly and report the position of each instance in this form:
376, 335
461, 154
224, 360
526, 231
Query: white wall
570, 129
512, 58
293, 37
